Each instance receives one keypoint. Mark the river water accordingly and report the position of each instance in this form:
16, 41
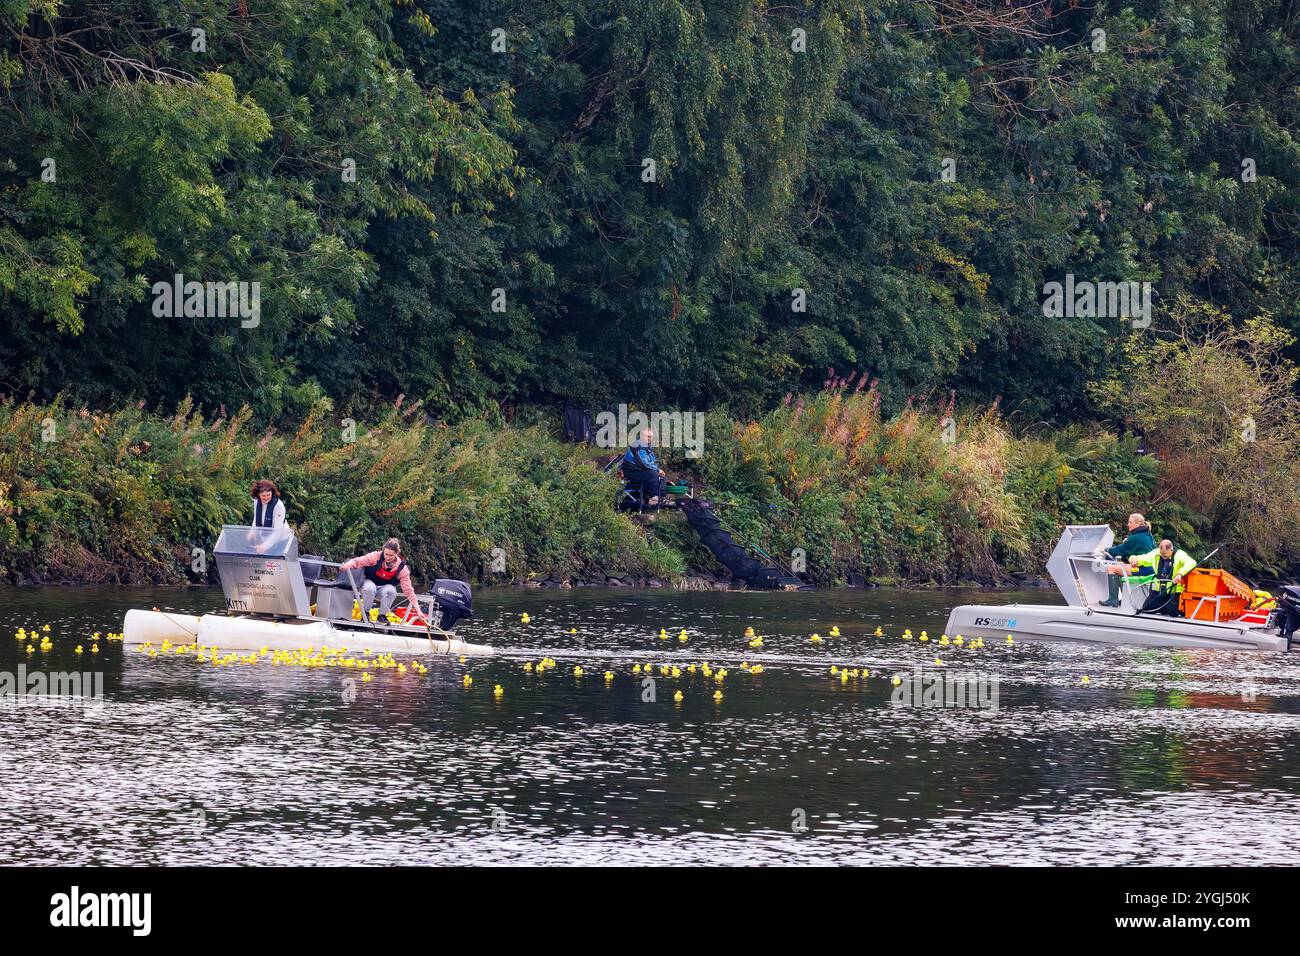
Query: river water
1162, 756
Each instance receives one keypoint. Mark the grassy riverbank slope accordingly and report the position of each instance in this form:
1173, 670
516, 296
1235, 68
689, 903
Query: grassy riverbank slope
928, 495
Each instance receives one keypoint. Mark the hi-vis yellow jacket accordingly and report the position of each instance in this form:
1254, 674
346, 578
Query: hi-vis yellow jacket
1183, 562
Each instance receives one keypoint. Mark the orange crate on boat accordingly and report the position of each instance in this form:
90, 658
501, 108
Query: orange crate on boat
1212, 594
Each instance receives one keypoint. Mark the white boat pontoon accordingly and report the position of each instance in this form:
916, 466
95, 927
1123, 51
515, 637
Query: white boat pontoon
1078, 566
270, 604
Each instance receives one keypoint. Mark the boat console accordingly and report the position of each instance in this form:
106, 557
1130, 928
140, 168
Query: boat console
260, 573
1078, 564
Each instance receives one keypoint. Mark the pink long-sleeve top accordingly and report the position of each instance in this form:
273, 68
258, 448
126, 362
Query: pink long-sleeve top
377, 557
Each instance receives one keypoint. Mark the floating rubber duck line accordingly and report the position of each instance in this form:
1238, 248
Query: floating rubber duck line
310, 657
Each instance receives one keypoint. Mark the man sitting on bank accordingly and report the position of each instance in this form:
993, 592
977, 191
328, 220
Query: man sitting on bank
1170, 566
385, 571
641, 468
1140, 540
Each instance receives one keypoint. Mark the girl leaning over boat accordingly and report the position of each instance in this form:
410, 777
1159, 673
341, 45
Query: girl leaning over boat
384, 572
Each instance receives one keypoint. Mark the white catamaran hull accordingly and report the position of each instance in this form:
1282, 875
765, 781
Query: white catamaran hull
238, 633
1101, 625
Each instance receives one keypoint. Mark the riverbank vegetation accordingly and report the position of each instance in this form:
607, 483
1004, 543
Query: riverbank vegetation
932, 494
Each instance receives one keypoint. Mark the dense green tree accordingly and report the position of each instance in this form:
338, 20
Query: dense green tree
217, 143
918, 168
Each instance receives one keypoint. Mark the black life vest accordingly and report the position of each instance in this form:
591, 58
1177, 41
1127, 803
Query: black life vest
381, 575
263, 519
1164, 572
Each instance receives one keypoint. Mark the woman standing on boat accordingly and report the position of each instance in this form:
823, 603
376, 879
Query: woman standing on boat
268, 509
385, 571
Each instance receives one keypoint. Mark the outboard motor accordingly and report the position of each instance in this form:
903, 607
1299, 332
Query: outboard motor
454, 600
1287, 614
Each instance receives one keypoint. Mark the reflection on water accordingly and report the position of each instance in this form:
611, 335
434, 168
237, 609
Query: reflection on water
1162, 757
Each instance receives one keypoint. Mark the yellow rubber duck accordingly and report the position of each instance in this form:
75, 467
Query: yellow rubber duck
467, 680
816, 638
367, 677
937, 662
663, 633
897, 680
94, 648
498, 690
679, 697
636, 668
756, 669
524, 618
1084, 679
756, 642
717, 695
1010, 639
77, 649
834, 670
835, 631
609, 676
683, 635
573, 630
879, 632
578, 671
528, 667
749, 631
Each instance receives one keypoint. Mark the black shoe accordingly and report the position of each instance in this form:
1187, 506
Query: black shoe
1108, 604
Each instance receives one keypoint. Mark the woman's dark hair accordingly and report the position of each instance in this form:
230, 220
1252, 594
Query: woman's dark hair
392, 544
261, 485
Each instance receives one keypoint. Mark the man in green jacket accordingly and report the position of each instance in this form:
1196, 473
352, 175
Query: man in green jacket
1170, 566
1140, 540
